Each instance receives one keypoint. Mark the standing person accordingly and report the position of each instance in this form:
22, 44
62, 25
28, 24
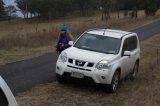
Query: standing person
64, 38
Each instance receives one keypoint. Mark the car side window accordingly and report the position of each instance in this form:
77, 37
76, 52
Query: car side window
130, 44
3, 99
126, 45
133, 43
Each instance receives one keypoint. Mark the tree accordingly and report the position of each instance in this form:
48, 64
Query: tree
151, 6
138, 5
27, 6
2, 10
40, 8
11, 10
22, 5
85, 6
106, 6
49, 9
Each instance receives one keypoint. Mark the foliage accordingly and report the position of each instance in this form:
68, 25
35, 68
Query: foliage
55, 8
50, 9
2, 11
106, 9
151, 6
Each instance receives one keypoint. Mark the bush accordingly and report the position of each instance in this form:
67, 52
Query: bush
151, 6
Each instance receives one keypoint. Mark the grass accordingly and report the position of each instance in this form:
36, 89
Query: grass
23, 53
32, 38
144, 91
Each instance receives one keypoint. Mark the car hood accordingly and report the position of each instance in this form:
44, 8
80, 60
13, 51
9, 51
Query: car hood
86, 55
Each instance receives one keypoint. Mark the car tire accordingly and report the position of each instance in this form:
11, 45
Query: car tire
60, 79
115, 82
134, 72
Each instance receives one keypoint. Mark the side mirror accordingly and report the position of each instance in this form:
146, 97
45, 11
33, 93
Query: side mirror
127, 53
71, 43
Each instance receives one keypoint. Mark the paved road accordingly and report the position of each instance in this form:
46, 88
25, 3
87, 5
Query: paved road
23, 75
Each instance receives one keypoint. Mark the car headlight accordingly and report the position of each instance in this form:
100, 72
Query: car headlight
63, 57
102, 65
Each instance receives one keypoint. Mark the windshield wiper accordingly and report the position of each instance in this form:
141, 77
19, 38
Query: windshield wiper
90, 49
86, 49
95, 50
78, 47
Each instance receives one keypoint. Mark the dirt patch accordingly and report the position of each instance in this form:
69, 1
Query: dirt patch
144, 91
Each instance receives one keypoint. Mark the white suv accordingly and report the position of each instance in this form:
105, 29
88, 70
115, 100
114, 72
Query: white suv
6, 96
103, 55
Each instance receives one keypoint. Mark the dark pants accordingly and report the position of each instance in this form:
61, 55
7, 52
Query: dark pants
61, 47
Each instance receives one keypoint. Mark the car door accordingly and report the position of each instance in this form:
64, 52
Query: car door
6, 96
133, 43
125, 60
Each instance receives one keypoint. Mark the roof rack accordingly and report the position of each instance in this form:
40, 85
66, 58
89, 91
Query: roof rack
105, 29
127, 34
96, 29
104, 32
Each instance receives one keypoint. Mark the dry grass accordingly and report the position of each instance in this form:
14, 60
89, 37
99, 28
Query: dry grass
23, 53
144, 91
33, 38
23, 34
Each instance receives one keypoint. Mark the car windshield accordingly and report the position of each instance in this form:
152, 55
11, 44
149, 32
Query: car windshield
98, 43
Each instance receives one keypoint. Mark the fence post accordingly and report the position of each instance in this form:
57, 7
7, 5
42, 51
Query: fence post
158, 57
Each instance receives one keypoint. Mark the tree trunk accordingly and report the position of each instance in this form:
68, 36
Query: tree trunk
118, 13
136, 13
9, 17
27, 15
102, 18
31, 15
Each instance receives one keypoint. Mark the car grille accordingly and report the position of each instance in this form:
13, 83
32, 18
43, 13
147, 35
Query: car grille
80, 63
70, 61
79, 68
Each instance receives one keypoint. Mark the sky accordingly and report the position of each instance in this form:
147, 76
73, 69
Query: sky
9, 2
12, 2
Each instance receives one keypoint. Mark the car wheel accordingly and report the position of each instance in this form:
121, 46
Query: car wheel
134, 72
115, 82
60, 79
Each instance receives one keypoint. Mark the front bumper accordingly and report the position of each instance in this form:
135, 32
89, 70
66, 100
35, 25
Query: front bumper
98, 76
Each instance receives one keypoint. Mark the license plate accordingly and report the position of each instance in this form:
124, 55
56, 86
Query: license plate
77, 75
